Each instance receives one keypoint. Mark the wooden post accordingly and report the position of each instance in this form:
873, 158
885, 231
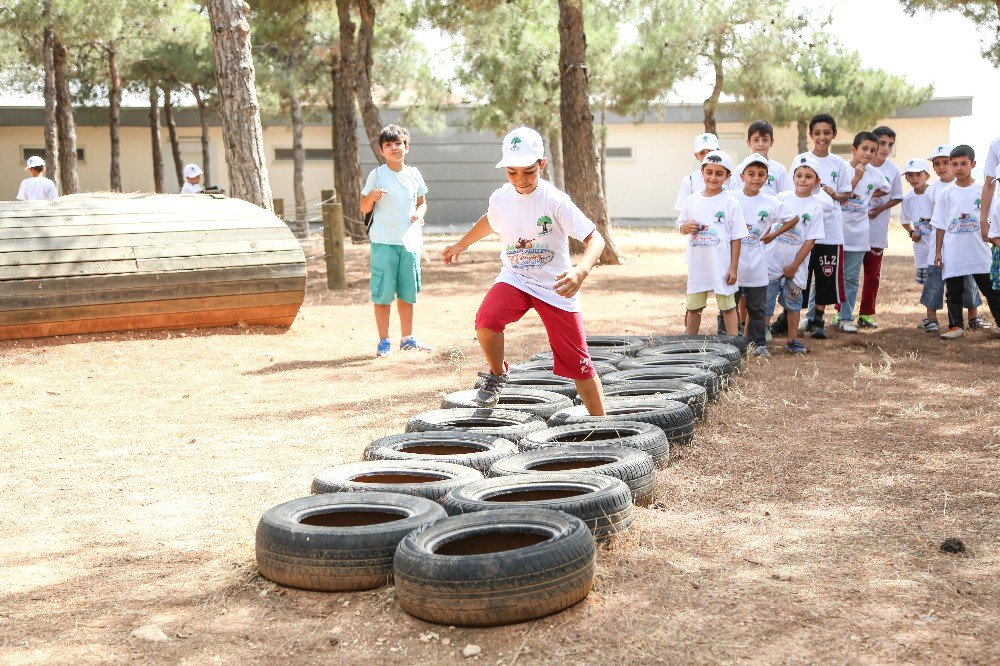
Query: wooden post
279, 209
333, 242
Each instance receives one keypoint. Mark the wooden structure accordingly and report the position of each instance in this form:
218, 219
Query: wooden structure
116, 262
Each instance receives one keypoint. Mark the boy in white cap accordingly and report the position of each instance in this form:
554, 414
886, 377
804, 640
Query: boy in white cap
192, 179
787, 265
915, 215
693, 182
535, 221
767, 217
714, 220
36, 187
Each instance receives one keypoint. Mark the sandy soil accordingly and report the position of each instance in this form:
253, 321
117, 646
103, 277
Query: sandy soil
803, 524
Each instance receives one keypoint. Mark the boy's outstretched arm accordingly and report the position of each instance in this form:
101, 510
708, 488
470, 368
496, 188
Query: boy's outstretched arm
481, 229
568, 283
800, 256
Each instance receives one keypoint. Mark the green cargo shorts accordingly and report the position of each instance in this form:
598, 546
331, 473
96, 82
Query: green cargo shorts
395, 274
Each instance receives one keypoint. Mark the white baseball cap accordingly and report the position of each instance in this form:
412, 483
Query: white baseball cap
706, 140
192, 170
522, 147
719, 157
944, 150
752, 158
34, 162
807, 160
916, 165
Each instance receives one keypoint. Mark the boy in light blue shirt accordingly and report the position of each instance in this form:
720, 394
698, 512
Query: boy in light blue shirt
397, 194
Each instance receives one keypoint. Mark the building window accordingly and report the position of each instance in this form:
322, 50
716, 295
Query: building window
618, 152
81, 156
312, 154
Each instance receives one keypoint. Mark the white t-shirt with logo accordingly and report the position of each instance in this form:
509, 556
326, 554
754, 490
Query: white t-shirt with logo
957, 212
782, 250
878, 229
709, 253
854, 211
836, 173
192, 188
760, 213
993, 159
37, 188
695, 182
394, 211
916, 210
535, 230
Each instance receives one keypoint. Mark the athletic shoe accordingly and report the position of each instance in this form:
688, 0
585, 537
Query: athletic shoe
923, 324
491, 386
978, 324
953, 333
780, 325
384, 347
816, 329
761, 352
848, 327
412, 344
796, 347
931, 326
865, 321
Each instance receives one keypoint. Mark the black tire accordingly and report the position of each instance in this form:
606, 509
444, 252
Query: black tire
629, 345
495, 567
596, 355
674, 418
506, 423
723, 349
543, 381
705, 378
693, 395
717, 364
642, 436
632, 466
735, 340
542, 404
460, 448
333, 543
430, 480
546, 366
602, 502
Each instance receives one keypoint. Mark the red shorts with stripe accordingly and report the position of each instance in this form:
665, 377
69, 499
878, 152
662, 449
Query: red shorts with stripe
505, 304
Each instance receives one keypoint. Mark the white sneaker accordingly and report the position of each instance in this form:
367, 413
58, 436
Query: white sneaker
848, 327
953, 333
803, 324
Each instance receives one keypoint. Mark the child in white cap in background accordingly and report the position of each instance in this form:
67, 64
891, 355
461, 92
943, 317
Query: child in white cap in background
36, 187
192, 179
694, 182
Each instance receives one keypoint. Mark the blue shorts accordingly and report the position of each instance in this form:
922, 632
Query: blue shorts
932, 296
395, 273
787, 292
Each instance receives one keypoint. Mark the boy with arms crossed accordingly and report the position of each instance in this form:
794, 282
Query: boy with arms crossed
535, 221
714, 220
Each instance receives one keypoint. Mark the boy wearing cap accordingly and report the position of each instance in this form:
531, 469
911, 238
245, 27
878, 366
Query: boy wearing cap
760, 139
714, 220
694, 182
915, 215
959, 246
535, 221
192, 179
867, 182
787, 265
36, 187
766, 218
396, 193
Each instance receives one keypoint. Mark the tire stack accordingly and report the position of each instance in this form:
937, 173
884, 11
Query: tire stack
492, 516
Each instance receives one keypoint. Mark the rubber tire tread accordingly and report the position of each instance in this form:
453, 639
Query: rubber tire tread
337, 479
597, 356
495, 588
336, 559
674, 418
629, 345
694, 396
492, 448
723, 349
548, 403
635, 435
705, 378
718, 364
546, 366
451, 419
543, 381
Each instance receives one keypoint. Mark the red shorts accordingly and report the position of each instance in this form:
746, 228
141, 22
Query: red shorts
505, 304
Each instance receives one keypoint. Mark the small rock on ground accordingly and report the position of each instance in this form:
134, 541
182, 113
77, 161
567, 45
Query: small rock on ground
150, 632
471, 650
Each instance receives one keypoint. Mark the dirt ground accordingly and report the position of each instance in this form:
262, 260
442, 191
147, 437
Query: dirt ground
803, 525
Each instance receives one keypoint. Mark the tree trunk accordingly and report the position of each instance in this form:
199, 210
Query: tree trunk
154, 132
712, 103
51, 130
114, 119
369, 112
206, 158
69, 180
347, 164
602, 133
242, 133
555, 147
175, 144
299, 164
583, 181
803, 128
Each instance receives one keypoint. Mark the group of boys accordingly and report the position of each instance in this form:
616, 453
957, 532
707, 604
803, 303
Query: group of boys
760, 238
37, 187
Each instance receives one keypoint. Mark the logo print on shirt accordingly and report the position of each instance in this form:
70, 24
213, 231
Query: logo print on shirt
544, 221
526, 255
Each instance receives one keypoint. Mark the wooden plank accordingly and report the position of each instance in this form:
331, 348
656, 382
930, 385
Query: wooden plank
134, 228
62, 270
102, 283
198, 219
145, 252
140, 240
119, 206
156, 293
180, 305
278, 315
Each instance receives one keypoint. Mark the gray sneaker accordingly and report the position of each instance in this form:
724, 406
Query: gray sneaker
490, 387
